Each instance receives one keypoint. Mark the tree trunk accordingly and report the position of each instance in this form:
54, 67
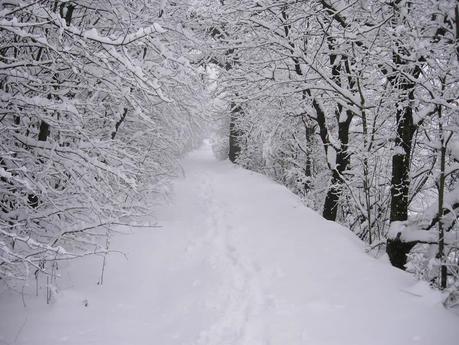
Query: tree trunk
234, 146
330, 209
118, 123
406, 128
44, 131
441, 196
400, 181
342, 161
308, 169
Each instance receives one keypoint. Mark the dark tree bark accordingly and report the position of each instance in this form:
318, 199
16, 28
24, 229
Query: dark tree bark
331, 203
400, 181
66, 12
406, 128
441, 196
342, 163
44, 131
234, 134
118, 123
308, 169
397, 249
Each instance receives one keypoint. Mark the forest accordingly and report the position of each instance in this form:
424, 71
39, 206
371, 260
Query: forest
353, 105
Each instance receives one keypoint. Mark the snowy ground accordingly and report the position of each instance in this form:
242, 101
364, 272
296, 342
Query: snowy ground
238, 261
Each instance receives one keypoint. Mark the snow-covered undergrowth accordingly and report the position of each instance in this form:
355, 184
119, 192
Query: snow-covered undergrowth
238, 260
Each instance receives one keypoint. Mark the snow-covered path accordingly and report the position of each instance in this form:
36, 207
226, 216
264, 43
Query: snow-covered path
238, 261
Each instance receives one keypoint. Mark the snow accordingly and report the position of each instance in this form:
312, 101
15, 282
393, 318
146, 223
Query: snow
238, 260
331, 157
94, 35
454, 149
398, 151
430, 236
420, 116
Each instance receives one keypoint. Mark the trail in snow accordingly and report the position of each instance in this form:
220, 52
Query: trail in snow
239, 261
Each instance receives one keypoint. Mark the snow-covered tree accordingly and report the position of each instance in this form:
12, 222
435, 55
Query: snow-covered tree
359, 89
98, 102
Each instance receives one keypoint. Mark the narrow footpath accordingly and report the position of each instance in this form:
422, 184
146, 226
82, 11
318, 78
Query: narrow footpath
238, 261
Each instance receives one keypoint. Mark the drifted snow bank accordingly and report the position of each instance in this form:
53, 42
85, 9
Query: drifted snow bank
239, 260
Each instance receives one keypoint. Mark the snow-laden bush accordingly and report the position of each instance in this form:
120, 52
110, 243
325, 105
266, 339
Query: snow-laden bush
423, 262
